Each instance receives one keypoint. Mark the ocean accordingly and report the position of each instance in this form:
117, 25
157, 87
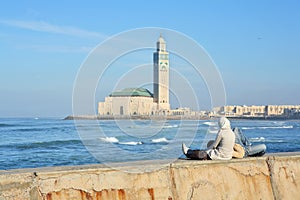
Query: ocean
41, 142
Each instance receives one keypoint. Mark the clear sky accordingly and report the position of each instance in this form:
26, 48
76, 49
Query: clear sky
255, 45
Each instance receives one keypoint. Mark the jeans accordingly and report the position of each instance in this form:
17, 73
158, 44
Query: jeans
255, 150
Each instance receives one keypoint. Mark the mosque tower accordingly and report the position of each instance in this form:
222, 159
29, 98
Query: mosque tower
161, 75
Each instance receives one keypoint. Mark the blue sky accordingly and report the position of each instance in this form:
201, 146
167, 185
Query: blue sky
255, 45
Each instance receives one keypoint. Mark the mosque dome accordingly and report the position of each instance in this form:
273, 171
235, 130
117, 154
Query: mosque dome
132, 92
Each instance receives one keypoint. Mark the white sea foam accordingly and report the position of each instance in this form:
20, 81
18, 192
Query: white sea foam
153, 126
171, 126
131, 143
268, 127
160, 140
248, 128
274, 140
213, 130
257, 139
210, 123
109, 139
278, 122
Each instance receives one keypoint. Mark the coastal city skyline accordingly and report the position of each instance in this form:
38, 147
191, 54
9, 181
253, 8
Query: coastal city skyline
149, 99
254, 45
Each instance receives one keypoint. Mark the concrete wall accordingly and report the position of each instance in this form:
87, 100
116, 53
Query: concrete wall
269, 177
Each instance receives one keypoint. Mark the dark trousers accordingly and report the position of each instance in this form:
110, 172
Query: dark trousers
197, 155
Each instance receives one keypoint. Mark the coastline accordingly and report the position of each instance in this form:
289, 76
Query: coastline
175, 117
144, 117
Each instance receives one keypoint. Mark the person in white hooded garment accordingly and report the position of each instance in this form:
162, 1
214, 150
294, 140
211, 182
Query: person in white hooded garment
220, 149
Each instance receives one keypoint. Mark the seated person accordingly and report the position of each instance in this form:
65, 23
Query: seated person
243, 148
238, 150
250, 150
220, 149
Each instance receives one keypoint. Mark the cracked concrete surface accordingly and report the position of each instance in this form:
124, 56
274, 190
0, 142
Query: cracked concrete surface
269, 177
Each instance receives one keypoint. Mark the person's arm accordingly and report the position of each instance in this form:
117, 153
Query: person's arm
244, 139
217, 140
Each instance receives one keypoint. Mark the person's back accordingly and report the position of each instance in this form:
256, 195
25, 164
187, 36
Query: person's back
222, 148
225, 147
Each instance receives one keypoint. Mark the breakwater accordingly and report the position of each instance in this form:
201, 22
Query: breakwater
275, 176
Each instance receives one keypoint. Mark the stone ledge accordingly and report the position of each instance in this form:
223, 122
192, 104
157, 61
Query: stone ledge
274, 176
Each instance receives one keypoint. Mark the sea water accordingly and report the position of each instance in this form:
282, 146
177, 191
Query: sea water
28, 143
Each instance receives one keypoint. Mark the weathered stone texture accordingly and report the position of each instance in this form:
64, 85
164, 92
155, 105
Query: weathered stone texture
235, 180
15, 186
105, 184
285, 176
270, 177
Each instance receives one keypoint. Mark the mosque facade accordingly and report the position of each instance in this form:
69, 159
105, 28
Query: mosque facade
140, 101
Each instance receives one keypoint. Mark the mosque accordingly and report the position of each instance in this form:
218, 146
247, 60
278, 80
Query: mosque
140, 101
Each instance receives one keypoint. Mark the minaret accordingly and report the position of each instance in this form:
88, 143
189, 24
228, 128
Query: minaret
161, 75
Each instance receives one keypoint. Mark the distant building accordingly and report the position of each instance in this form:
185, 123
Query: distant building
129, 101
140, 101
257, 111
161, 75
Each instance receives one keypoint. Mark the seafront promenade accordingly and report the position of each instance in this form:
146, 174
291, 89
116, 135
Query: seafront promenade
274, 176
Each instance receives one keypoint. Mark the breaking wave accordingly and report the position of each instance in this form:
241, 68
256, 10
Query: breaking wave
171, 126
153, 126
109, 139
159, 140
131, 143
210, 123
257, 139
213, 130
268, 127
262, 139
